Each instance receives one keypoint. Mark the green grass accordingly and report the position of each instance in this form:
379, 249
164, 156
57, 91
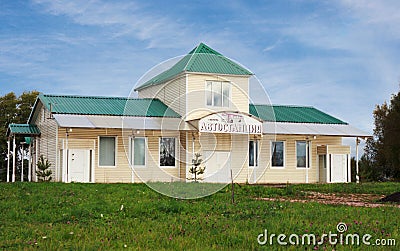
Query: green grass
56, 216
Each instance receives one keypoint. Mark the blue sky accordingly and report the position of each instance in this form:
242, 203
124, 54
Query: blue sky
340, 56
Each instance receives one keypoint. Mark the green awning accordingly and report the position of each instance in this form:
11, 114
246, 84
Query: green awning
22, 129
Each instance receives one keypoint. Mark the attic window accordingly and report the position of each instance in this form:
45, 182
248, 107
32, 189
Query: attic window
218, 93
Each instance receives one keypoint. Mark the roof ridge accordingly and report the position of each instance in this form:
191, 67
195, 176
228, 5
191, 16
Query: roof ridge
281, 105
202, 46
187, 63
199, 59
95, 97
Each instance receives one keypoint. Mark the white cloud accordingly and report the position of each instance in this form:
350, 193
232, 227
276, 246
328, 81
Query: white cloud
121, 19
273, 46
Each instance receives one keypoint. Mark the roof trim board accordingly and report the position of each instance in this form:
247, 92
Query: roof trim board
120, 122
343, 130
271, 128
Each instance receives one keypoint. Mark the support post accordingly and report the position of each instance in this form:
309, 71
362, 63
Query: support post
13, 174
8, 159
357, 171
193, 139
67, 159
233, 188
30, 164
307, 162
36, 157
22, 162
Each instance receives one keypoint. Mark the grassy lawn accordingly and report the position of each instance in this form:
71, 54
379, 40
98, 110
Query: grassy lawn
54, 216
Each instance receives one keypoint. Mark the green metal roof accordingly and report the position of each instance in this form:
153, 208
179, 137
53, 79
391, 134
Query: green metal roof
201, 59
292, 114
113, 106
28, 140
24, 129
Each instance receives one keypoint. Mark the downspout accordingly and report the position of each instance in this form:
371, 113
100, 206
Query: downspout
357, 171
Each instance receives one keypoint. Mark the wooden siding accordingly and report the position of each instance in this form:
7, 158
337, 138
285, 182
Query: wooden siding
47, 141
83, 138
290, 173
86, 138
338, 149
150, 92
172, 93
321, 149
183, 155
238, 146
196, 96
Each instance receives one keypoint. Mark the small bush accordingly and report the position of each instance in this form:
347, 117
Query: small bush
44, 175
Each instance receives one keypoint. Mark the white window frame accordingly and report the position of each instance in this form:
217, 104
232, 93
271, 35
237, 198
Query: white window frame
255, 153
222, 93
308, 154
284, 154
132, 150
116, 151
176, 152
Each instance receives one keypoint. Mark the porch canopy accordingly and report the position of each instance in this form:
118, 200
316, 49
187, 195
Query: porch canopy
24, 130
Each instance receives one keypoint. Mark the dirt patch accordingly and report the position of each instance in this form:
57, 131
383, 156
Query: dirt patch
355, 200
394, 197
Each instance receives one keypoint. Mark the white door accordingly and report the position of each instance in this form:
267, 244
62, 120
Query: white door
79, 165
339, 168
218, 166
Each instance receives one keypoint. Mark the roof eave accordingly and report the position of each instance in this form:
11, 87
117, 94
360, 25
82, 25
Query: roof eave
162, 82
41, 95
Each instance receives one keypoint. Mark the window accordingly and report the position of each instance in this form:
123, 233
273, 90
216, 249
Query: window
253, 153
303, 154
138, 151
167, 152
107, 151
218, 93
277, 153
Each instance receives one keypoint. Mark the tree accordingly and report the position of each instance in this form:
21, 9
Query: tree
43, 173
382, 152
196, 168
13, 109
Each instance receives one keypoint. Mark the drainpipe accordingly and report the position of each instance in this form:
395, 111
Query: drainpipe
357, 171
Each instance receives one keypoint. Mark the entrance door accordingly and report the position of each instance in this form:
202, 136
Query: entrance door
79, 165
218, 166
339, 168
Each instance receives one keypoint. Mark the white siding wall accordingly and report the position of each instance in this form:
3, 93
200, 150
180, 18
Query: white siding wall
48, 139
84, 138
238, 146
172, 93
196, 96
290, 172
